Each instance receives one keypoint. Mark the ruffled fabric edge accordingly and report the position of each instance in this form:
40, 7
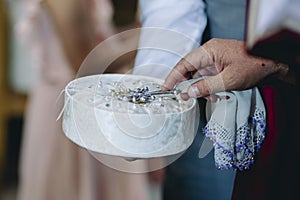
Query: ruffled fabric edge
238, 153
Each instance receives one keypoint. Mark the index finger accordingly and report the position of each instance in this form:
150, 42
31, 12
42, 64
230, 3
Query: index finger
178, 74
190, 64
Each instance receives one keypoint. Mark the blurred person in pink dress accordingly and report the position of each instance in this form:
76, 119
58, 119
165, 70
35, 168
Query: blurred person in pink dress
59, 35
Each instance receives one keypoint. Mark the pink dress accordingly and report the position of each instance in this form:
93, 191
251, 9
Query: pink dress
52, 167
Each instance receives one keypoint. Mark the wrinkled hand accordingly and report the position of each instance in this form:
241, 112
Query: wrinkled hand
228, 66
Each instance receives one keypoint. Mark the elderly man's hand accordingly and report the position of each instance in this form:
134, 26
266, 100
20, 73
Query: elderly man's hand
227, 65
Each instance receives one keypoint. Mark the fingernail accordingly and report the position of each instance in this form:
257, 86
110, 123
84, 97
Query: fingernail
164, 87
194, 92
184, 96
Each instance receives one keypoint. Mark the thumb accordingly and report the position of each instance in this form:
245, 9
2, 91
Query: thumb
207, 87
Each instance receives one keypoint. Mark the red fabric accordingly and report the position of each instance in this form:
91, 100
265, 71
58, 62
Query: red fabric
268, 148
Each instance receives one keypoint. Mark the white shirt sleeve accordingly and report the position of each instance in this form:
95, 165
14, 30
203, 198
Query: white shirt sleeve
170, 30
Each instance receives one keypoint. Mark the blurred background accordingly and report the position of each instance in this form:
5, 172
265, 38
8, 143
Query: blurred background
13, 96
19, 70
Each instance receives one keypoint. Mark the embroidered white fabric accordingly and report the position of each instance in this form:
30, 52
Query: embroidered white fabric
237, 128
100, 122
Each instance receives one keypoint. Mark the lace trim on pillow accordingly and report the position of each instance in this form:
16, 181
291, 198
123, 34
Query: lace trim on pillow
237, 149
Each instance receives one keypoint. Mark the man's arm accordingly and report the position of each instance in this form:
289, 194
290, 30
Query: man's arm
171, 29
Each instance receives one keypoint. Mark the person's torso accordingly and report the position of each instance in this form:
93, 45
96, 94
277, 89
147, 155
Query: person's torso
226, 19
